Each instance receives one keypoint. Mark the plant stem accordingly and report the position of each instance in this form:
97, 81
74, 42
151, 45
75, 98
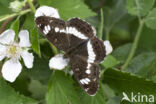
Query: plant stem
53, 48
100, 31
31, 5
14, 14
134, 46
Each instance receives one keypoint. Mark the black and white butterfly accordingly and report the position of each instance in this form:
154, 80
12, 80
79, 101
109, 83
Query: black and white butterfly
82, 48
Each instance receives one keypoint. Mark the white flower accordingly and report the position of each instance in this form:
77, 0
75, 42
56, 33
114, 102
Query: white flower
13, 51
58, 62
108, 47
16, 6
47, 11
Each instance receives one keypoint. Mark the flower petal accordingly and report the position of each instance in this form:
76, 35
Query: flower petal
7, 36
47, 11
24, 39
2, 52
11, 70
28, 59
58, 62
108, 47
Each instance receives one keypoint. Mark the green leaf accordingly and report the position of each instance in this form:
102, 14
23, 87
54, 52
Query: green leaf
29, 22
108, 92
4, 7
99, 98
148, 39
125, 82
69, 8
37, 89
15, 27
109, 61
142, 64
114, 100
139, 7
35, 41
150, 20
61, 90
40, 70
114, 13
9, 96
21, 84
122, 52
5, 3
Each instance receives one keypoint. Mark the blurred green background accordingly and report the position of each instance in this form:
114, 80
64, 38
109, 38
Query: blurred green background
127, 24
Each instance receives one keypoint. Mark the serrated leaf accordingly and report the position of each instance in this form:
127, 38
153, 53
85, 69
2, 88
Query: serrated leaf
125, 82
109, 61
69, 8
150, 20
142, 64
15, 27
61, 90
35, 41
139, 7
9, 96
99, 98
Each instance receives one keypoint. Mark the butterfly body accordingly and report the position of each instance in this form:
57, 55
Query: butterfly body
78, 40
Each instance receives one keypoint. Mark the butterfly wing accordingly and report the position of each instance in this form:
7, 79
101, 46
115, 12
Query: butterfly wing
77, 38
87, 78
54, 30
79, 32
84, 62
65, 35
82, 26
99, 49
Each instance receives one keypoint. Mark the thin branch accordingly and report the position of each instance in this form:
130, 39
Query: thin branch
31, 5
134, 46
2, 28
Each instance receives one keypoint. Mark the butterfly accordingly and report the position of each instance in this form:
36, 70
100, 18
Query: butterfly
82, 47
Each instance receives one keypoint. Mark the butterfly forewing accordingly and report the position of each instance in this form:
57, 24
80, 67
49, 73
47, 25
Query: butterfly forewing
54, 30
82, 26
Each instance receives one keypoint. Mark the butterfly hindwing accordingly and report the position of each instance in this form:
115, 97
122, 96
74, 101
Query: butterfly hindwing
98, 49
86, 70
87, 78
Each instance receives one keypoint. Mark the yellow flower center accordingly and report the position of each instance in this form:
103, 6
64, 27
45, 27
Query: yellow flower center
12, 49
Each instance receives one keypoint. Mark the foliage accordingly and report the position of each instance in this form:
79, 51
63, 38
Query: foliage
129, 25
8, 95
